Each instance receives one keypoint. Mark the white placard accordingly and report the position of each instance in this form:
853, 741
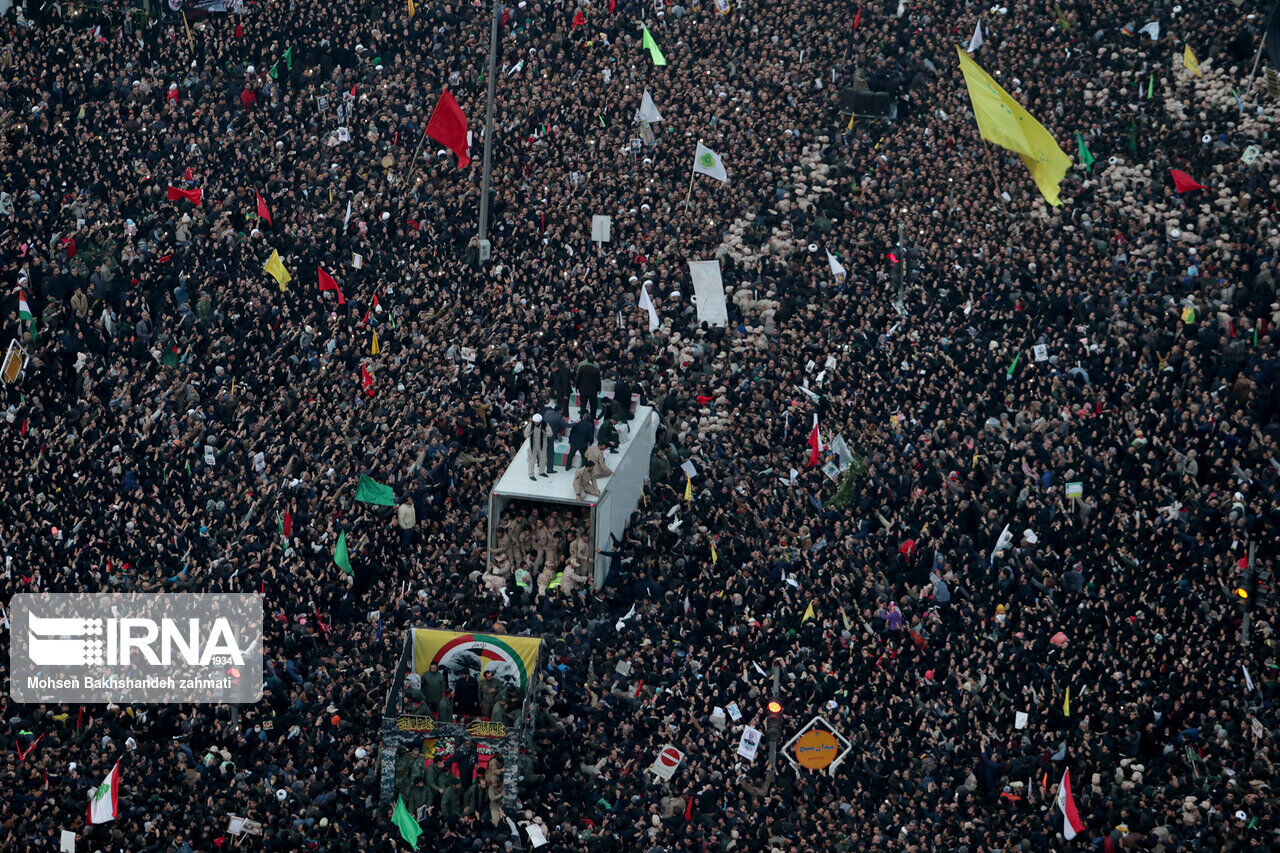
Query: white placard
68, 842
709, 288
357, 260
601, 226
750, 743
468, 354
688, 468
735, 713
1020, 720
536, 836
1041, 351
664, 766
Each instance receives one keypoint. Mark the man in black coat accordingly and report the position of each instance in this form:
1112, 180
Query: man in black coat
581, 434
588, 384
561, 386
466, 694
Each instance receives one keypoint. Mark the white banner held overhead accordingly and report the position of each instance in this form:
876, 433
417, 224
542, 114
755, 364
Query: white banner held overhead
600, 227
709, 289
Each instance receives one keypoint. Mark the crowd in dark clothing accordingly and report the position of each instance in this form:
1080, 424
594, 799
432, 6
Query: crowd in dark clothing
177, 401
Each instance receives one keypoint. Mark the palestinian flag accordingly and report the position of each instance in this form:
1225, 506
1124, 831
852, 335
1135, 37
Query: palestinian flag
104, 801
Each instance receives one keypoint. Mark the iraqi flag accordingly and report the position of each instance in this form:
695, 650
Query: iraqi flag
1071, 823
104, 800
815, 445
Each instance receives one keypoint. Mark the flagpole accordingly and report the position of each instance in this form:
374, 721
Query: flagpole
986, 156
688, 198
413, 164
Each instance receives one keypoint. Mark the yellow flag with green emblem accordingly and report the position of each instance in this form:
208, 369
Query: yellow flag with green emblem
1002, 120
275, 266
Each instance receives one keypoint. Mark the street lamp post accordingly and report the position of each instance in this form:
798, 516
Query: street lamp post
488, 134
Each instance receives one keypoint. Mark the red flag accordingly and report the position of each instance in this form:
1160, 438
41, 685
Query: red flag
327, 283
192, 196
1182, 182
239, 31
815, 442
366, 379
1071, 823
688, 810
69, 243
612, 4
353, 90
857, 19
262, 209
448, 126
186, 176
579, 19
287, 524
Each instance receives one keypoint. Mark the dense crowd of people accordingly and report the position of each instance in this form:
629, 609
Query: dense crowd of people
178, 401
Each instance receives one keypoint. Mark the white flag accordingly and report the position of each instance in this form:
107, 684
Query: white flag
976, 41
647, 304
708, 162
648, 110
346, 218
1005, 540
104, 801
1152, 29
837, 268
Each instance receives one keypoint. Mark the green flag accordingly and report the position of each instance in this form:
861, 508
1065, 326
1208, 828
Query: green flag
341, 557
275, 73
409, 829
288, 58
370, 491
652, 46
1085, 157
170, 358
1151, 86
1009, 373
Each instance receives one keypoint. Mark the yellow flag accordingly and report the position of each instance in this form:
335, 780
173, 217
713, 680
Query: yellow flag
1066, 704
713, 553
275, 266
1002, 120
688, 489
375, 349
413, 10
1189, 60
808, 613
